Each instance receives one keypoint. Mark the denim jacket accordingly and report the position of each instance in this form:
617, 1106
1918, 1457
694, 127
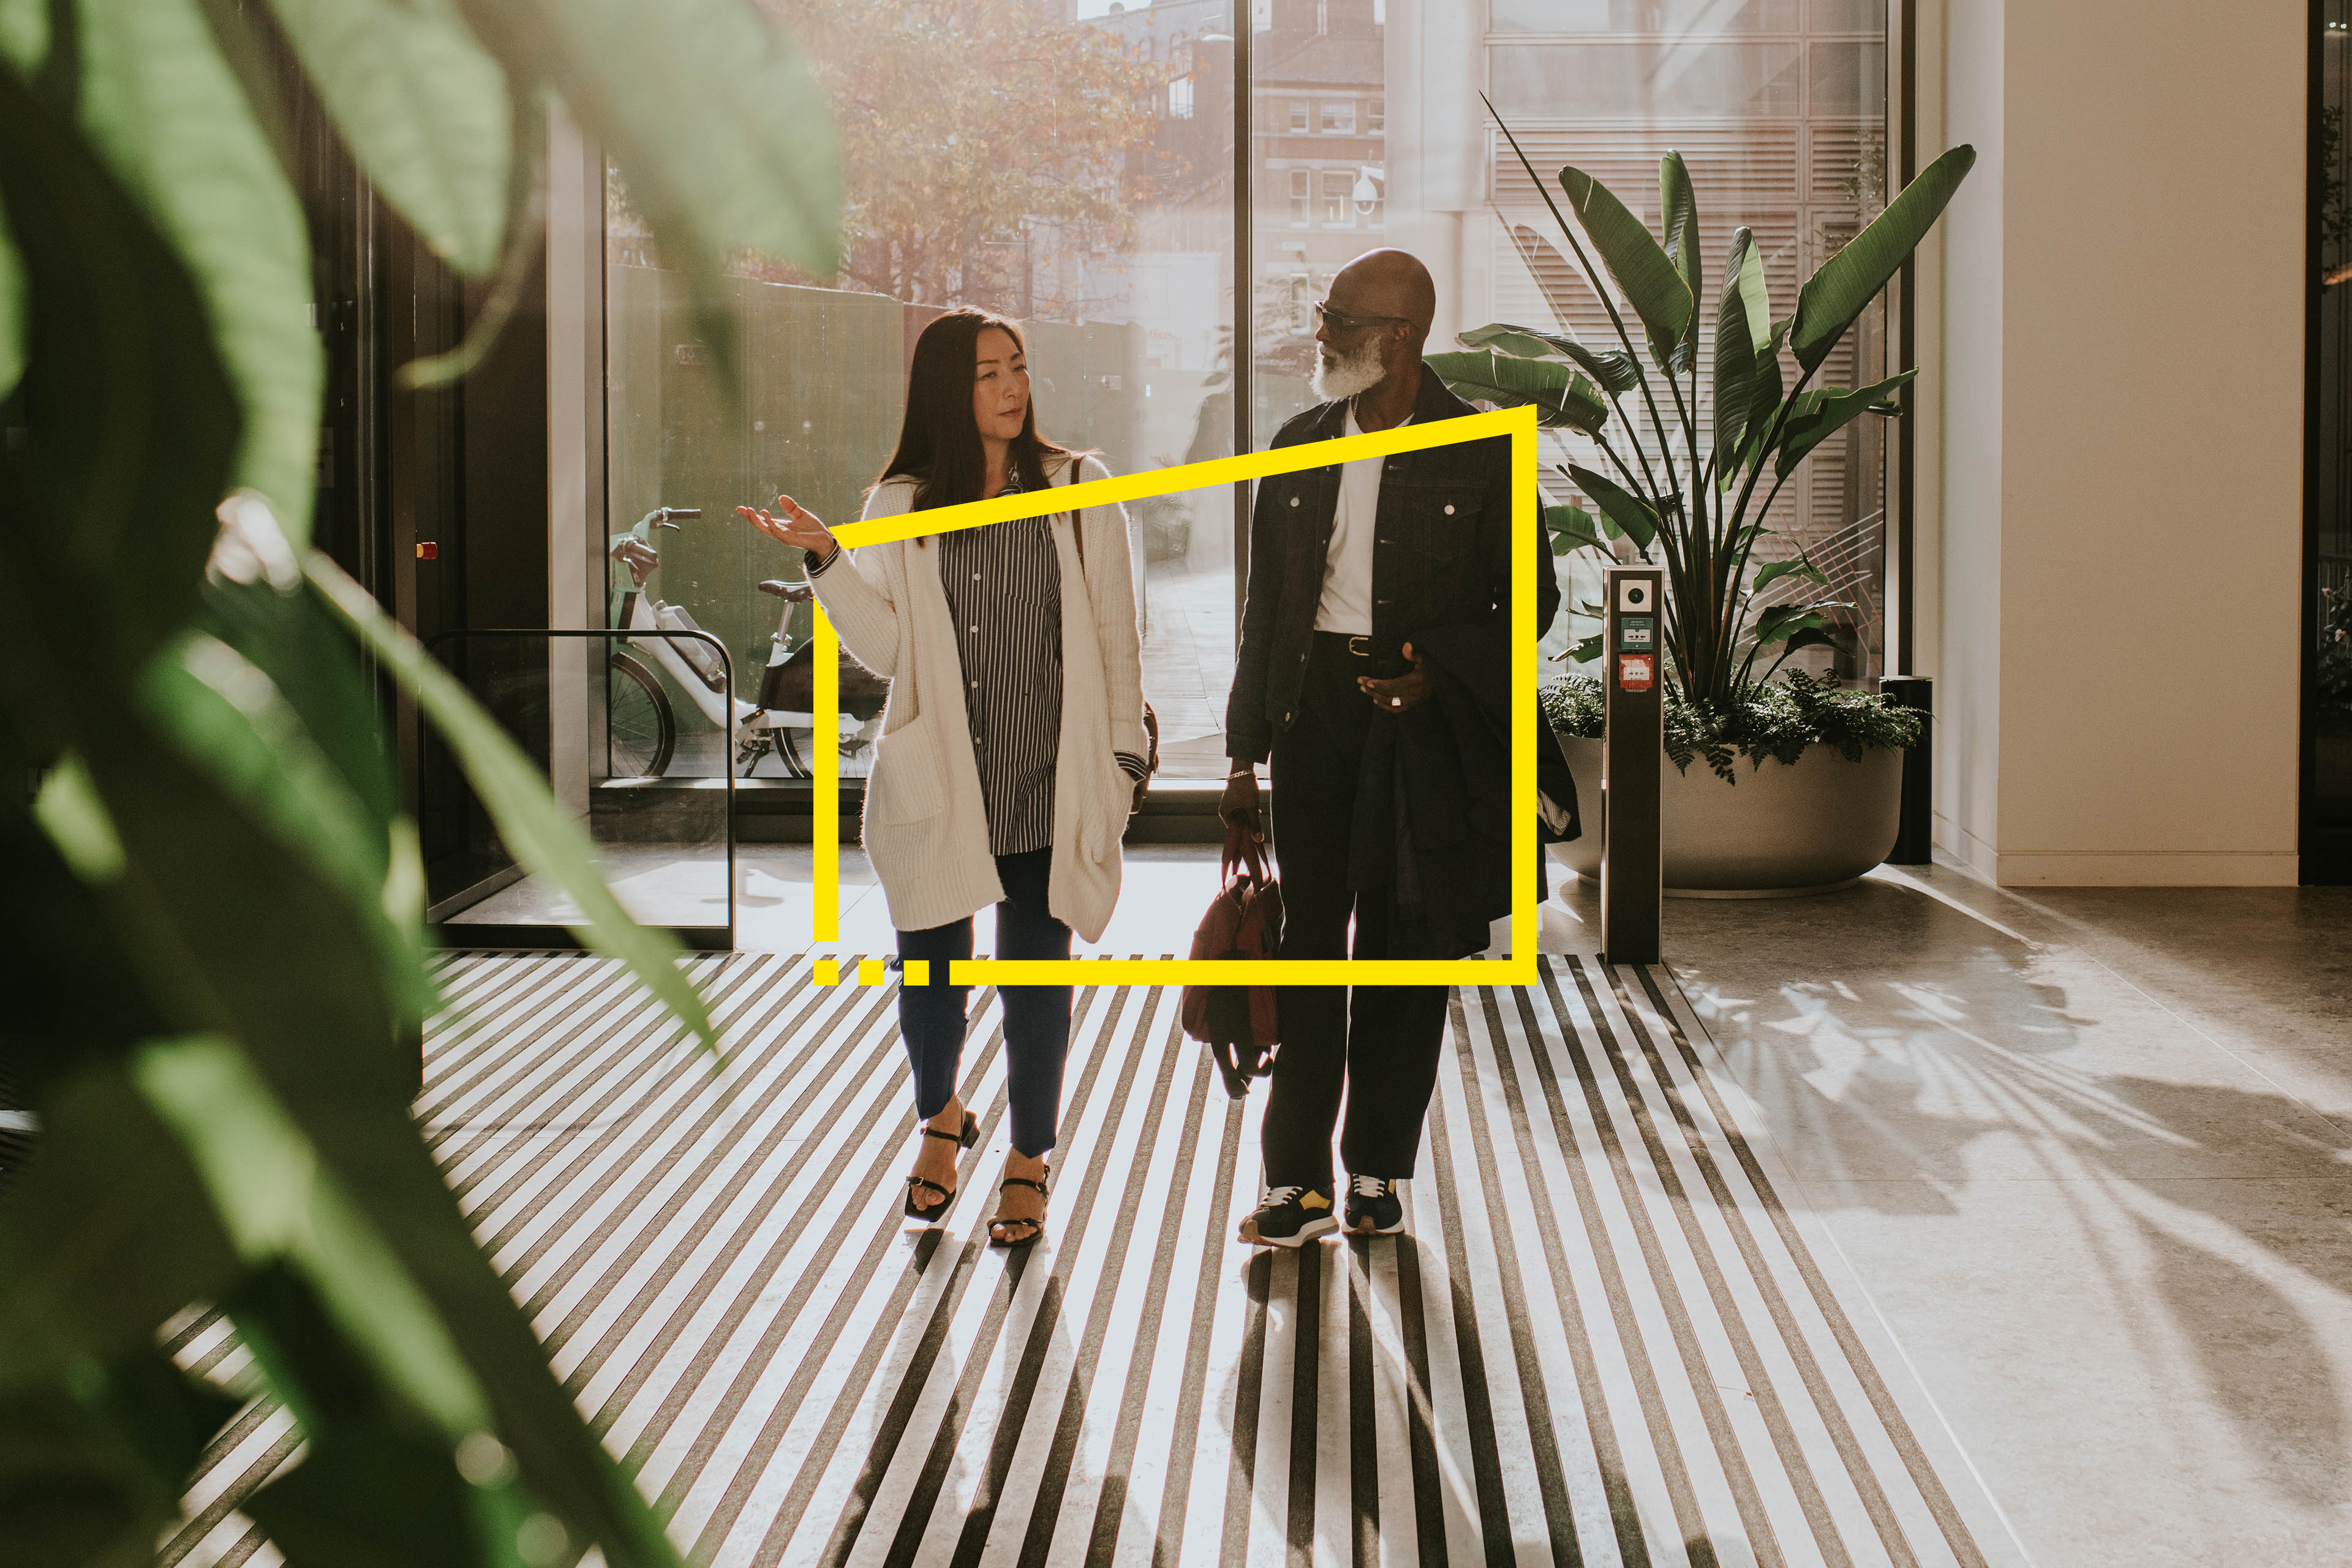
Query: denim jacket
1441, 556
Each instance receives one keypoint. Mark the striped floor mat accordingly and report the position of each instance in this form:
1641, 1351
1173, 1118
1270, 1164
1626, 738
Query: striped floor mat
1607, 1341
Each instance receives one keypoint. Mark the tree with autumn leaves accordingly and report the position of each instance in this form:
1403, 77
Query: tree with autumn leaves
965, 124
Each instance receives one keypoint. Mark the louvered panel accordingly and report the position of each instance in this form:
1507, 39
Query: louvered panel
1833, 165
1734, 167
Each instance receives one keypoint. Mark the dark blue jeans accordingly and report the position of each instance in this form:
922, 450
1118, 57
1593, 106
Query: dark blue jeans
1036, 1017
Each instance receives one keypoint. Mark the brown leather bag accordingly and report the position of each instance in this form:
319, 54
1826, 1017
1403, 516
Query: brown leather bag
1245, 920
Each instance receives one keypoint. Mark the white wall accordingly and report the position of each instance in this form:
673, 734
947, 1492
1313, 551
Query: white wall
2121, 527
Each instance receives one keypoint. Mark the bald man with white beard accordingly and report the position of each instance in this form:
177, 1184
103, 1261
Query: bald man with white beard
1348, 565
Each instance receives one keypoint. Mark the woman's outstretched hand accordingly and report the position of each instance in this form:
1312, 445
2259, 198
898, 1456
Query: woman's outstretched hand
793, 524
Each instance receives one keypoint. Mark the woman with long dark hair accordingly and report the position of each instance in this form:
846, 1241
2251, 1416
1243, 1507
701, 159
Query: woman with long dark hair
1013, 737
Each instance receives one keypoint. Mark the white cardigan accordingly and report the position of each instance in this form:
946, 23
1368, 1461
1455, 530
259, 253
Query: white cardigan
925, 829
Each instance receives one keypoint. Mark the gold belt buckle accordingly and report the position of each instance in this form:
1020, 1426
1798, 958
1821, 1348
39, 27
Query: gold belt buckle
1360, 645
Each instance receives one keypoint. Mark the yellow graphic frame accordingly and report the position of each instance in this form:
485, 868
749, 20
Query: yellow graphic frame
1518, 969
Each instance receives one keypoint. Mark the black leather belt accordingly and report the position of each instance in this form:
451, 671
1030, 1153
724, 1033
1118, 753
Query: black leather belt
1355, 645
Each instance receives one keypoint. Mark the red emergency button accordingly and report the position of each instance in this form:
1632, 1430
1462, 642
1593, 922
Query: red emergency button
1635, 671
426, 549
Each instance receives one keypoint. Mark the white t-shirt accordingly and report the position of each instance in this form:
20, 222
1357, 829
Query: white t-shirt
1346, 602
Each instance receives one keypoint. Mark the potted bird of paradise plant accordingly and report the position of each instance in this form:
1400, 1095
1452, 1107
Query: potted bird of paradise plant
1681, 468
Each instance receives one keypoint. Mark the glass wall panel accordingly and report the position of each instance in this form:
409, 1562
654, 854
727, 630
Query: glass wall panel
1072, 171
1778, 108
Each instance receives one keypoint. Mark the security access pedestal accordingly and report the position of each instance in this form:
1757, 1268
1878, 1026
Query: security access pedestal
1633, 863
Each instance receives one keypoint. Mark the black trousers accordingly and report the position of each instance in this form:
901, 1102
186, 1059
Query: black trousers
1379, 1043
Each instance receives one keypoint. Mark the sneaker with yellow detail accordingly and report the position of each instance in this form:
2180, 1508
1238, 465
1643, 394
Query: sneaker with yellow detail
1290, 1216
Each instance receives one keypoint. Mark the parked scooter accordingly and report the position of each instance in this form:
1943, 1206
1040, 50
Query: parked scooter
642, 727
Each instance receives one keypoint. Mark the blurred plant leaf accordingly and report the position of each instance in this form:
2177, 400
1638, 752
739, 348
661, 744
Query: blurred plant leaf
227, 716
424, 108
161, 103
1563, 397
541, 834
1639, 264
378, 1485
1587, 649
12, 311
1848, 281
725, 138
1814, 416
277, 1197
103, 1234
91, 1474
129, 423
1619, 505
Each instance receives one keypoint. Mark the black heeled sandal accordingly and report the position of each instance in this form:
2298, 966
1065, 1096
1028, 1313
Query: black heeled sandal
964, 1139
1036, 1227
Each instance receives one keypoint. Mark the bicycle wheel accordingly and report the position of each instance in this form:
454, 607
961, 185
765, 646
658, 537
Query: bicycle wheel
788, 752
640, 731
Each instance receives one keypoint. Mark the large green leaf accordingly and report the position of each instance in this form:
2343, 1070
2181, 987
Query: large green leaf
163, 107
1816, 416
129, 420
1561, 397
1678, 206
1772, 571
106, 521
1849, 280
1644, 272
541, 834
1615, 370
424, 108
1571, 527
1743, 336
1764, 399
725, 138
1619, 505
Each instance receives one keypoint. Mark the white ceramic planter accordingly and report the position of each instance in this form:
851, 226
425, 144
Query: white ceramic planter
1783, 828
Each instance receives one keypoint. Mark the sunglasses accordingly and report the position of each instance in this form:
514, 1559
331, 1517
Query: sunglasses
1342, 321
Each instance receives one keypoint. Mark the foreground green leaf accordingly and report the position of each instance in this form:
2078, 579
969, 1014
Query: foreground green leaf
541, 834
161, 102
425, 109
103, 1235
1848, 281
726, 139
12, 311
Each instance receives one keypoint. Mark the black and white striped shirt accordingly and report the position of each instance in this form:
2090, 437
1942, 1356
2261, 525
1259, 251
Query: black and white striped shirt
1004, 585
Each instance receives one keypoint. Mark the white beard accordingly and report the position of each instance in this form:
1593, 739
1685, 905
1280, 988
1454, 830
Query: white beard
1339, 377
